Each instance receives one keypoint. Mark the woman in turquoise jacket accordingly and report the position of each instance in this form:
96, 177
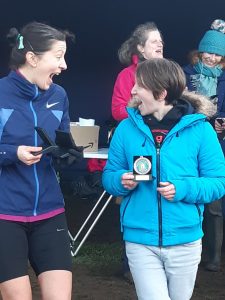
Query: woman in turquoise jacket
161, 218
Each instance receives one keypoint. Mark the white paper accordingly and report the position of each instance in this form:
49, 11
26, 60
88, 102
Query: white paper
86, 122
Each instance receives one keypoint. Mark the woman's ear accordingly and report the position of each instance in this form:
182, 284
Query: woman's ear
140, 48
162, 95
31, 59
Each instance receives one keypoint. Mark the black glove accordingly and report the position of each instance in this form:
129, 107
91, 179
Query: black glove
66, 157
75, 155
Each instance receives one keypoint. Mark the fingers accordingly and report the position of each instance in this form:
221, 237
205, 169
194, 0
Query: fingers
127, 176
165, 183
128, 182
75, 153
167, 190
32, 148
25, 155
219, 127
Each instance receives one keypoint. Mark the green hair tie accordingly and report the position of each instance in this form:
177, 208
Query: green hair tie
20, 39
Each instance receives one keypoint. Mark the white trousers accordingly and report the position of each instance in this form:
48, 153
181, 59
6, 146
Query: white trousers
166, 273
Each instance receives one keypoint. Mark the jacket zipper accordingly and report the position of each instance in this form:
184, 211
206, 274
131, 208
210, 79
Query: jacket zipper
158, 147
34, 165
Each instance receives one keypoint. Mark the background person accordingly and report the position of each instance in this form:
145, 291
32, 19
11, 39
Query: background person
207, 76
161, 218
32, 220
145, 42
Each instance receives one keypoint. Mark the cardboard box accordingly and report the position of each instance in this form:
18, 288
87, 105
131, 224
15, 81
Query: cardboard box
85, 135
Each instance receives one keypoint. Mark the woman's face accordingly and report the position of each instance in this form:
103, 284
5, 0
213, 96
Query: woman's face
147, 103
210, 60
49, 64
153, 47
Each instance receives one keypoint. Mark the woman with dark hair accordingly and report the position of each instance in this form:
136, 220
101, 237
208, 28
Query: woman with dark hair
32, 219
160, 163
206, 76
145, 42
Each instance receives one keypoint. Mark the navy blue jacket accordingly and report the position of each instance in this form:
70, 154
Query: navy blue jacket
29, 191
189, 70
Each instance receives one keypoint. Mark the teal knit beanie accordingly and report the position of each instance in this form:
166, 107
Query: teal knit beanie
214, 39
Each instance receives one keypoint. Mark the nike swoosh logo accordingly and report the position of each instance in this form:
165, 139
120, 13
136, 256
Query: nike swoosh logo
50, 105
60, 229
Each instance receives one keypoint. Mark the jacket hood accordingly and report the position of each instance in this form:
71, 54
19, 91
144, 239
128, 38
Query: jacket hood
200, 103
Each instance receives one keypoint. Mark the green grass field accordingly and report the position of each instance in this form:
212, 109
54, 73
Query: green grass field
99, 254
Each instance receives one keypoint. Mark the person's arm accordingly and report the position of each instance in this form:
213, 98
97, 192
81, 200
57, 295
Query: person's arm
8, 154
210, 185
122, 94
11, 154
116, 171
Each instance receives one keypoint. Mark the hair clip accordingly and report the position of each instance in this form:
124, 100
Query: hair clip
20, 39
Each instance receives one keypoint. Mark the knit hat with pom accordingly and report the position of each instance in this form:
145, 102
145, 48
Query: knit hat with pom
214, 39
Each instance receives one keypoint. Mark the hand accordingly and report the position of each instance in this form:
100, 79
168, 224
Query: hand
74, 156
167, 190
25, 155
218, 127
66, 157
128, 182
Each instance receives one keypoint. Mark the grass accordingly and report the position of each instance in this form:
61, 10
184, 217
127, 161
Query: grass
99, 254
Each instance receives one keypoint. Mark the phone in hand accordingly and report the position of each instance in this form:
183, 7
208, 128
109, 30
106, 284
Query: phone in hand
221, 135
48, 146
64, 139
221, 121
45, 150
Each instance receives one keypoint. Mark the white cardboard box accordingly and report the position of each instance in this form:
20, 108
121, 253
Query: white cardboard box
85, 135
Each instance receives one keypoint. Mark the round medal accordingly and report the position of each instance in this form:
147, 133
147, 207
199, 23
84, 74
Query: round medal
142, 165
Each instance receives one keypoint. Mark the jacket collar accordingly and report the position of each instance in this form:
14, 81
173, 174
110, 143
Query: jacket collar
185, 121
24, 88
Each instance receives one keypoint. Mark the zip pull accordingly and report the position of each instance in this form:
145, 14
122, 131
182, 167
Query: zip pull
158, 140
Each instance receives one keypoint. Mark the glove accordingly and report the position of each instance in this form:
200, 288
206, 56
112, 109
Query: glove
66, 157
75, 155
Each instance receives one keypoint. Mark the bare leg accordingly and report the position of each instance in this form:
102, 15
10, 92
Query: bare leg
56, 285
16, 289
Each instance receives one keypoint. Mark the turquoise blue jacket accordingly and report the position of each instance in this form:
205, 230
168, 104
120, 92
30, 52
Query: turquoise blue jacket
190, 157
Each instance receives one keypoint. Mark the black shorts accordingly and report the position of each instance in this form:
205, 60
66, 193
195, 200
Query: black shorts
44, 243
